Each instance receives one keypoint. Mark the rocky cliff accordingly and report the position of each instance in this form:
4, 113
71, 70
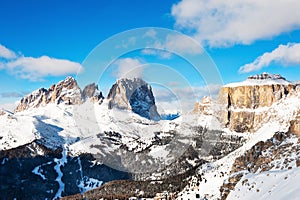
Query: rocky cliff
66, 91
91, 91
203, 107
243, 103
133, 94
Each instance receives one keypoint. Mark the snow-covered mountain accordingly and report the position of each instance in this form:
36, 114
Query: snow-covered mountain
266, 164
46, 138
64, 140
66, 91
245, 105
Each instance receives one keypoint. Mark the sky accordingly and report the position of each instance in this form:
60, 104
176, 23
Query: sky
42, 42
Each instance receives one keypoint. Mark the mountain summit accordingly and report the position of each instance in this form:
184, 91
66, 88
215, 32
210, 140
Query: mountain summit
66, 91
133, 94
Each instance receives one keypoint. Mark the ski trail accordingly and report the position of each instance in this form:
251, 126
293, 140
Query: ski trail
57, 167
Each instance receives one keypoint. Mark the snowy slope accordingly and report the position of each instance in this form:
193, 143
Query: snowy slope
280, 184
261, 79
143, 141
252, 82
17, 130
215, 173
140, 142
97, 130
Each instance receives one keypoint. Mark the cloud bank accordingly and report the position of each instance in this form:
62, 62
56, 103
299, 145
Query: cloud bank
6, 53
172, 43
11, 95
284, 54
219, 23
35, 69
129, 68
170, 102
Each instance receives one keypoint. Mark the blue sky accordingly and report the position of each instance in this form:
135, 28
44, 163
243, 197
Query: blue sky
42, 42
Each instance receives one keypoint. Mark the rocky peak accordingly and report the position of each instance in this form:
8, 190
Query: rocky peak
66, 91
266, 76
133, 94
91, 91
241, 100
204, 106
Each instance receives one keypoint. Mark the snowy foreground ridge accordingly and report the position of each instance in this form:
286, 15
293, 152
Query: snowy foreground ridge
78, 147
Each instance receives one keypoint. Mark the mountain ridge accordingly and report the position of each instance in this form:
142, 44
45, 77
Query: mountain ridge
210, 149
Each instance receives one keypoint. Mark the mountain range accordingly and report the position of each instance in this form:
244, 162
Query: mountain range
72, 143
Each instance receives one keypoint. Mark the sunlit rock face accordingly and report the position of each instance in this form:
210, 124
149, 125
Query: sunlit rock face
133, 94
92, 92
243, 103
66, 91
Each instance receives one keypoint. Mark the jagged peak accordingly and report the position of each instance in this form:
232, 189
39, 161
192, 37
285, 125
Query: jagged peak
132, 82
129, 84
66, 91
133, 94
265, 76
91, 91
68, 79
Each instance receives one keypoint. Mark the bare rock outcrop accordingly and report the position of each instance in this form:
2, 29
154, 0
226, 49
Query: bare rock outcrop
66, 91
280, 152
133, 94
2, 112
92, 92
242, 101
295, 125
203, 107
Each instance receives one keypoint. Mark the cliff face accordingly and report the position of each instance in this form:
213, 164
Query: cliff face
242, 103
66, 91
92, 92
203, 107
133, 94
295, 125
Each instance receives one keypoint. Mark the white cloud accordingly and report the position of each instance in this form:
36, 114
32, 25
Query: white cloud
36, 69
224, 23
181, 44
6, 53
284, 54
183, 99
174, 43
151, 34
129, 68
157, 52
126, 43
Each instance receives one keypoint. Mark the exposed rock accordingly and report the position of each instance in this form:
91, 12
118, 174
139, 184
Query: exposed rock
230, 185
266, 75
91, 91
133, 94
240, 101
124, 189
204, 106
2, 112
281, 152
66, 91
295, 125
